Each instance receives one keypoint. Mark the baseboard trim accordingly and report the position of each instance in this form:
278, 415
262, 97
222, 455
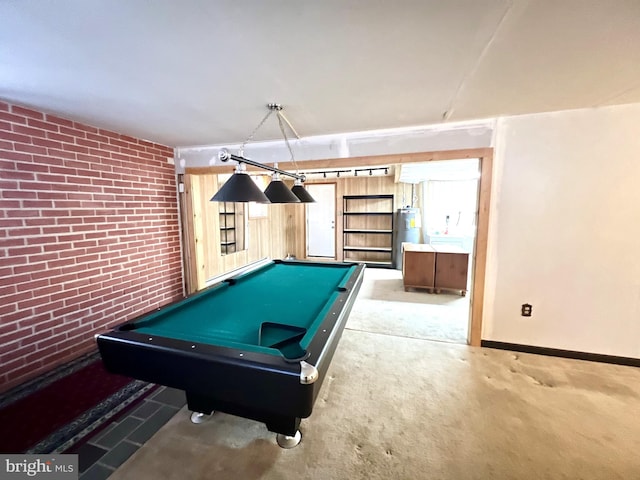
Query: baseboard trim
554, 352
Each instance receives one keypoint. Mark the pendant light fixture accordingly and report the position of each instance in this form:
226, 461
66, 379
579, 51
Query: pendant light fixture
278, 192
301, 192
241, 188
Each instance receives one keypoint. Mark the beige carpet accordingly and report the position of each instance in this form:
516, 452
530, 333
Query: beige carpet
404, 408
384, 307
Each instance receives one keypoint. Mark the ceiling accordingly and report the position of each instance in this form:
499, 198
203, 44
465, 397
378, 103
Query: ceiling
199, 72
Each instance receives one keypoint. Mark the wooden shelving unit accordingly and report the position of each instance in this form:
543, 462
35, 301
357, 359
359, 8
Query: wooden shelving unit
368, 229
227, 228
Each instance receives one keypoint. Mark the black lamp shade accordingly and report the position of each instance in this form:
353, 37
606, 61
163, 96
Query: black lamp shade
277, 192
240, 188
304, 196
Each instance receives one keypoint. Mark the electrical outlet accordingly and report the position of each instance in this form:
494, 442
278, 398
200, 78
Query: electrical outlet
526, 310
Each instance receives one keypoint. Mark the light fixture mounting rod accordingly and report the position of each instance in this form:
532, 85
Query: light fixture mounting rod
224, 156
277, 107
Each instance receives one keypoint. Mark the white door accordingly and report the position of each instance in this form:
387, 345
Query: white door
321, 220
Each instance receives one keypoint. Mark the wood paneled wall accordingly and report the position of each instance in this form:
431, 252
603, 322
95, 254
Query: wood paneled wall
269, 236
295, 232
282, 232
365, 185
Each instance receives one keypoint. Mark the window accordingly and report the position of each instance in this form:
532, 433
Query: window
259, 210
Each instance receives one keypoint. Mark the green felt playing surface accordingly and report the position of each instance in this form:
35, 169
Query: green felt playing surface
296, 295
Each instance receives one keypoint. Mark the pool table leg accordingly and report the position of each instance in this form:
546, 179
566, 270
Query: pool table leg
199, 403
199, 417
285, 441
288, 426
285, 426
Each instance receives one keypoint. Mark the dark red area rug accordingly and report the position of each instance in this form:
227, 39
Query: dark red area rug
65, 406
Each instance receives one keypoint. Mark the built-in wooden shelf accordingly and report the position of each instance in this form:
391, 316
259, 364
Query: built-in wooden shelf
227, 227
368, 229
356, 230
368, 213
367, 249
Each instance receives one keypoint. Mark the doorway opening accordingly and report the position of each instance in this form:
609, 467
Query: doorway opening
321, 221
429, 297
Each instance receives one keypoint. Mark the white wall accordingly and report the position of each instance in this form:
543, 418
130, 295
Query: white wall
565, 231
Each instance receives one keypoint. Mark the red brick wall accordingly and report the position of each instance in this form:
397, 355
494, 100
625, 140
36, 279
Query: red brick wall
88, 237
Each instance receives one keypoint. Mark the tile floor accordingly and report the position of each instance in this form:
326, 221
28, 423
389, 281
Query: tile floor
112, 446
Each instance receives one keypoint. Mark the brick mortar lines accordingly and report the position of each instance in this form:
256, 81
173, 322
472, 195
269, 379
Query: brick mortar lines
110, 200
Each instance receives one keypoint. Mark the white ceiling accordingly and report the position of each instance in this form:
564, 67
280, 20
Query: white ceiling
197, 72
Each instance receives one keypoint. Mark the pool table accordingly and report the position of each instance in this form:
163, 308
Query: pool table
257, 344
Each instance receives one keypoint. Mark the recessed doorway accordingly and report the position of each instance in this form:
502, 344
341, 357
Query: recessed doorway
321, 221
438, 307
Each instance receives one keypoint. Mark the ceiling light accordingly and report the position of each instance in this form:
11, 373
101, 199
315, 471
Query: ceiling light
301, 192
240, 188
278, 192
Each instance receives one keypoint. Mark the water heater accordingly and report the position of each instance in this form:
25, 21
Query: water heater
407, 229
